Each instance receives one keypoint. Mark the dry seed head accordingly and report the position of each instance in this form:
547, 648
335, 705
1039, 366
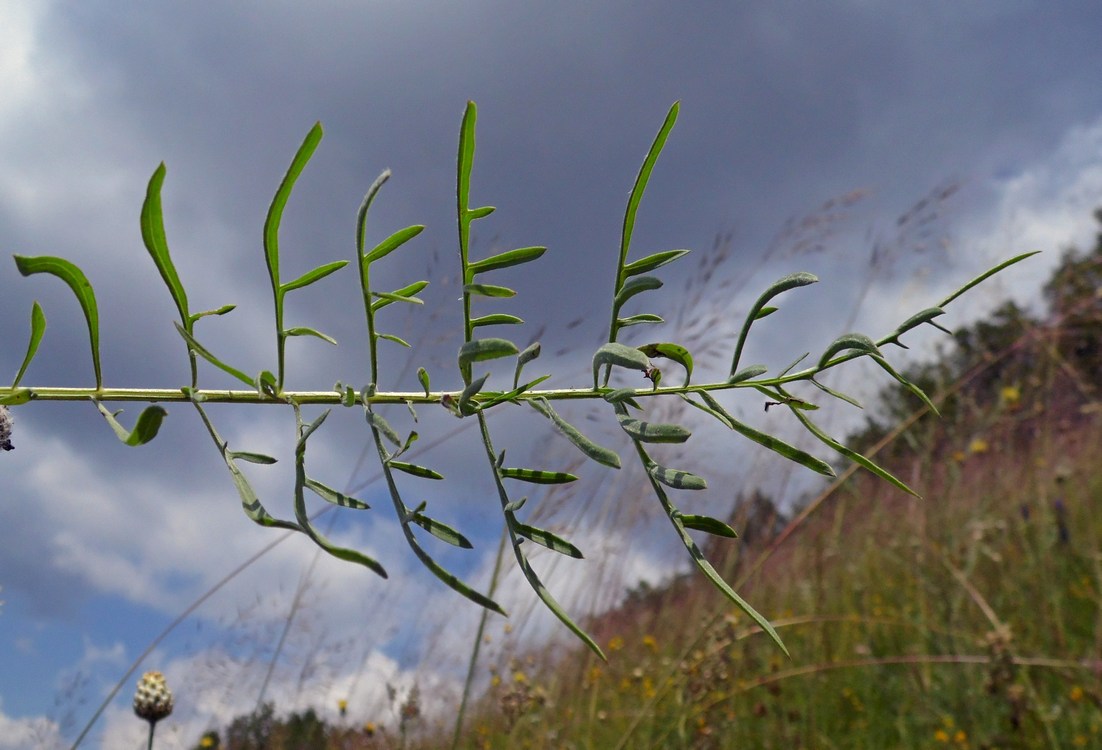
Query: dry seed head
5, 428
153, 699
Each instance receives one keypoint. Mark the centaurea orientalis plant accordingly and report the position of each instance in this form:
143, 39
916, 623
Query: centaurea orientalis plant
472, 398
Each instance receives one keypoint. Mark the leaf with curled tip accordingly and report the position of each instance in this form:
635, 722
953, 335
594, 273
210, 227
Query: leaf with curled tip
619, 355
145, 429
792, 281
82, 288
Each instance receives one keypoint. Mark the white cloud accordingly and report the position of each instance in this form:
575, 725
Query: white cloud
28, 731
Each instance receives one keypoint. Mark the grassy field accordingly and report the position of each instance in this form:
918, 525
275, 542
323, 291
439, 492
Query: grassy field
969, 618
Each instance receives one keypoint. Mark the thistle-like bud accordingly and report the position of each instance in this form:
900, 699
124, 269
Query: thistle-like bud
5, 428
153, 699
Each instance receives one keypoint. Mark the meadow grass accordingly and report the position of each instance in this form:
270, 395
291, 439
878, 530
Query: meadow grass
968, 619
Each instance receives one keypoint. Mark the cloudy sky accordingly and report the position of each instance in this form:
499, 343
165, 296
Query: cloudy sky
935, 137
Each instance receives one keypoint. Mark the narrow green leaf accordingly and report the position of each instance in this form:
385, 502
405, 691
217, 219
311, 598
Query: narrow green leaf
515, 505
621, 395
330, 495
678, 480
38, 327
218, 311
765, 312
510, 395
652, 432
984, 276
382, 426
921, 394
464, 165
480, 350
311, 276
307, 431
441, 531
537, 476
145, 429
464, 404
199, 349
423, 379
531, 352
361, 221
250, 503
252, 458
641, 318
707, 524
156, 241
304, 331
547, 539
837, 394
391, 297
396, 339
488, 290
635, 286
393, 242
549, 601
717, 580
746, 373
449, 579
596, 452
619, 355
792, 281
851, 454
301, 482
856, 341
405, 294
640, 187
775, 444
342, 553
495, 320
480, 213
926, 316
78, 282
506, 259
675, 352
279, 202
795, 362
418, 471
651, 262
265, 384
